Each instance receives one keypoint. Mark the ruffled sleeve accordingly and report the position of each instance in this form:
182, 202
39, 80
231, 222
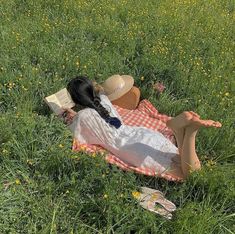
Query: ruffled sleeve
90, 128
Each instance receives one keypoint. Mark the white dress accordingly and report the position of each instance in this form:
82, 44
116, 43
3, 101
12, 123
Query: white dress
137, 146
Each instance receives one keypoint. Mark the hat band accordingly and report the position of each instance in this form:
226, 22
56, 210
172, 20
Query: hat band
120, 86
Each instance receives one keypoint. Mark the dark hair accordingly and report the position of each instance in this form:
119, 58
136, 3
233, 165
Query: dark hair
83, 93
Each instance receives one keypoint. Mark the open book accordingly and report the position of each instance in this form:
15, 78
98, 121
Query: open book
60, 100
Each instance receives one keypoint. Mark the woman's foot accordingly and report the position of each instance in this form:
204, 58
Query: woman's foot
189, 117
196, 123
185, 120
195, 114
181, 120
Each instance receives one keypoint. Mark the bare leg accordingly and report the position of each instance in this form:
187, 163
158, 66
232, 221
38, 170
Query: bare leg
179, 136
189, 158
185, 127
178, 125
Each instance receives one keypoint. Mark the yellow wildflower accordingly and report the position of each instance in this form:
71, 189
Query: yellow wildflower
105, 196
211, 163
142, 78
30, 162
136, 194
61, 146
5, 151
82, 147
17, 181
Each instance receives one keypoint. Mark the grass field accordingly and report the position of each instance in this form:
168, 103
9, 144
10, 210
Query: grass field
186, 44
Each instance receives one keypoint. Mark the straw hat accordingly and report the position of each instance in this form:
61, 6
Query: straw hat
116, 86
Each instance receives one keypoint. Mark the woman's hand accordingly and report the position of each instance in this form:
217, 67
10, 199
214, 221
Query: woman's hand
68, 115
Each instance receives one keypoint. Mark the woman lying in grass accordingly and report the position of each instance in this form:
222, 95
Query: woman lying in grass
100, 124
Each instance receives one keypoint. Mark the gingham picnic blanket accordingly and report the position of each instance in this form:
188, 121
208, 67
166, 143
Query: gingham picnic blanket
145, 115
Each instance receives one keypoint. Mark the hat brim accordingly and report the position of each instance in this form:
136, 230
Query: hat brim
129, 82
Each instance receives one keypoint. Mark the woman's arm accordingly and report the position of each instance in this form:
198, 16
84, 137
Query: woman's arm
68, 115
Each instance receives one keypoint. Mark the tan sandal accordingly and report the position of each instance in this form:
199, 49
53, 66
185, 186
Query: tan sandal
154, 200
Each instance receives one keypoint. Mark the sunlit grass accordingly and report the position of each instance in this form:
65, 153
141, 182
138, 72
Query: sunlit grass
187, 45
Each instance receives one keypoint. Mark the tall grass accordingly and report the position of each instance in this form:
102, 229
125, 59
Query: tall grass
188, 45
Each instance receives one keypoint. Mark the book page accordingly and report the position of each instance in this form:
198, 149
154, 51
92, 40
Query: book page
64, 98
58, 100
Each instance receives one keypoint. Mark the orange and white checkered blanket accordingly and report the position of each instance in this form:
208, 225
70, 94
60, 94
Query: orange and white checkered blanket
145, 115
